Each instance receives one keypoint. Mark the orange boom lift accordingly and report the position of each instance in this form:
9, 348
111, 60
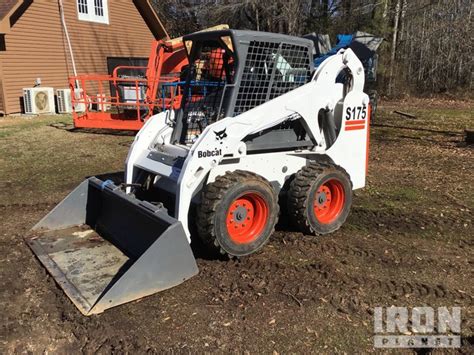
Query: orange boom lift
125, 102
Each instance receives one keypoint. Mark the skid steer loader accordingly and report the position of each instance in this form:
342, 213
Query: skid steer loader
257, 128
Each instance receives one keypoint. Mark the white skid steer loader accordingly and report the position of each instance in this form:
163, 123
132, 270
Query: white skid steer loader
258, 128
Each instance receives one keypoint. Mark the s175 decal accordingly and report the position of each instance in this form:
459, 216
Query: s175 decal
356, 113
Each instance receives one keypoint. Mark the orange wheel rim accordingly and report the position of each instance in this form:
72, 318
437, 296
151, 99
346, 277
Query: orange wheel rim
246, 218
329, 201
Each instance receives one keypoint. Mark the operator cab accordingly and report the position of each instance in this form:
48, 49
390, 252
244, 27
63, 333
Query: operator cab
232, 71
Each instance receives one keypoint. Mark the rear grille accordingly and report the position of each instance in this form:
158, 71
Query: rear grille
271, 69
27, 100
61, 101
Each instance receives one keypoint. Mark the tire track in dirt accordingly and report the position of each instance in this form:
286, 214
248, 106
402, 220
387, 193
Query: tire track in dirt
403, 222
246, 280
381, 251
373, 250
344, 289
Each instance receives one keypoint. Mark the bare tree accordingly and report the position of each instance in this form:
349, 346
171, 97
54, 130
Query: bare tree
434, 48
428, 41
394, 45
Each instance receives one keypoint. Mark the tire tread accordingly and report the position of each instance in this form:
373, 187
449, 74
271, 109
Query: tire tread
300, 189
212, 196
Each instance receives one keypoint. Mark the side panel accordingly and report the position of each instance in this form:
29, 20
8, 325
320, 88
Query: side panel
275, 167
350, 148
70, 212
2, 105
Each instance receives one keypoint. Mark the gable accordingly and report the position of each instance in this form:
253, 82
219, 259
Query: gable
6, 6
12, 10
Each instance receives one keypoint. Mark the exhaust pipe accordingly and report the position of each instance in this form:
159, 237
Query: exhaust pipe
105, 248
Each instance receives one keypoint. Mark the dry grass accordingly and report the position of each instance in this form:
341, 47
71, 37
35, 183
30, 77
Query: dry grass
40, 162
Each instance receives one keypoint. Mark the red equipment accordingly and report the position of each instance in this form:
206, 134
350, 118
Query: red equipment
126, 102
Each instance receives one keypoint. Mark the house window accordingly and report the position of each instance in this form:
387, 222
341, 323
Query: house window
98, 8
82, 6
93, 11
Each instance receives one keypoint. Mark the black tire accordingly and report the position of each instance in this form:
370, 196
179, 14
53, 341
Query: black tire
302, 204
374, 98
218, 201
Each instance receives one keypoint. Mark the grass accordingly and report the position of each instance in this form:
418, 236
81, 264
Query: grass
40, 162
409, 194
10, 126
453, 120
391, 197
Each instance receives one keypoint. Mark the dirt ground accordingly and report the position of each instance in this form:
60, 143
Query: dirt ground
408, 242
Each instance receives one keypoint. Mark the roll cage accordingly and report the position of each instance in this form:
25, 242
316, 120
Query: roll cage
231, 72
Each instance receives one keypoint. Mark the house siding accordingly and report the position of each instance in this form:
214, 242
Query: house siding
2, 108
36, 46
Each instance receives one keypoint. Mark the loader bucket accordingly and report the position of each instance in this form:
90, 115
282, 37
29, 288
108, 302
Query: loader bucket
105, 248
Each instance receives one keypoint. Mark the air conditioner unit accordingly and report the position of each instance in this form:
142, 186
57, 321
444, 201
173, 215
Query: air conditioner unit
65, 102
38, 100
102, 103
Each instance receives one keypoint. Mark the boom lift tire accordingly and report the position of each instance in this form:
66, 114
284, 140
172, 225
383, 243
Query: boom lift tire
320, 198
238, 213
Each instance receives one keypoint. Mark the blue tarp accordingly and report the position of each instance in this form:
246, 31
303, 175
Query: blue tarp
343, 41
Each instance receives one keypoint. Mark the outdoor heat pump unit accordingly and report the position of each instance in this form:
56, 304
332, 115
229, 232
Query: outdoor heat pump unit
65, 102
38, 100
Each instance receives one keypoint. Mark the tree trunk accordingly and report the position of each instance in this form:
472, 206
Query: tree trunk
385, 9
402, 20
394, 46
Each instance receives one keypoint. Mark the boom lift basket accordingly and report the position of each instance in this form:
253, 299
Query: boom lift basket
124, 101
105, 248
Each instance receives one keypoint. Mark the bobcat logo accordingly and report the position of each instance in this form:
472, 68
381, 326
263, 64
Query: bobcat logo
220, 135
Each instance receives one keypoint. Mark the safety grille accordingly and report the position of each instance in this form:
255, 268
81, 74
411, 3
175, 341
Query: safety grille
61, 101
271, 69
205, 94
28, 102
